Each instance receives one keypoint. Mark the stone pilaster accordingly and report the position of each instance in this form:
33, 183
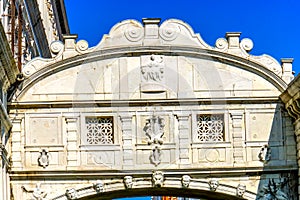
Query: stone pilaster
184, 139
16, 142
72, 141
297, 132
237, 138
128, 151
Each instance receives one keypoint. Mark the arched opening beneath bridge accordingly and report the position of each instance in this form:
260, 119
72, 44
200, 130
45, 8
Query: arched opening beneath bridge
174, 192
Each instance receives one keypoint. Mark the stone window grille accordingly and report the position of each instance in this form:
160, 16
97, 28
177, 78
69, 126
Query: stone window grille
210, 128
99, 130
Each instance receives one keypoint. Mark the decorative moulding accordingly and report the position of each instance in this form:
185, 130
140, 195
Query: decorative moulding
153, 33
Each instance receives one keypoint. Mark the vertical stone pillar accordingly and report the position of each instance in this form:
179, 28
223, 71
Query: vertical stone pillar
72, 146
16, 153
237, 135
184, 139
128, 154
297, 132
287, 69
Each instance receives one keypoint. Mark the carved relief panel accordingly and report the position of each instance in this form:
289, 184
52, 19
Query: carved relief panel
44, 140
210, 139
155, 139
99, 140
43, 130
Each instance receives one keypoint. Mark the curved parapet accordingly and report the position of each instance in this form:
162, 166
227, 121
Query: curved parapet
171, 32
151, 35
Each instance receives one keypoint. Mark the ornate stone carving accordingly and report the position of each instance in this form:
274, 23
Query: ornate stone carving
265, 154
82, 46
128, 182
213, 184
210, 128
222, 44
169, 32
98, 186
52, 18
154, 129
240, 190
99, 130
185, 181
154, 70
157, 179
38, 193
155, 157
134, 34
43, 159
56, 47
71, 194
246, 44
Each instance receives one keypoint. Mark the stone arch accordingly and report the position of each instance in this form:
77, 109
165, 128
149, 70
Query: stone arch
169, 186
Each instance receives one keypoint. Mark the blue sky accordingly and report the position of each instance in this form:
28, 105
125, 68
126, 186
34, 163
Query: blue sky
273, 25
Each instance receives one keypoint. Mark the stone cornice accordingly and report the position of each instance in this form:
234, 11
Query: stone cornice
7, 61
204, 172
145, 102
291, 98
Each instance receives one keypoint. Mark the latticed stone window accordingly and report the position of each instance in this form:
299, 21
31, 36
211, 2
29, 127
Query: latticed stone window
99, 130
210, 128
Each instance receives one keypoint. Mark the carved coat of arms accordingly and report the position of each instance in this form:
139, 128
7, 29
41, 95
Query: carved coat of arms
154, 70
154, 129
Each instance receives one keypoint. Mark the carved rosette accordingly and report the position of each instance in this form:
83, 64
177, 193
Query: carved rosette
56, 47
169, 32
82, 46
246, 44
222, 44
134, 34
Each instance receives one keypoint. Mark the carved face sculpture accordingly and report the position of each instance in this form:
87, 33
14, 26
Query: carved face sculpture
241, 189
157, 179
71, 194
98, 186
213, 184
128, 182
185, 181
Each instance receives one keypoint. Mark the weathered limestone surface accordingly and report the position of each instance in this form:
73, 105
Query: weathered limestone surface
153, 103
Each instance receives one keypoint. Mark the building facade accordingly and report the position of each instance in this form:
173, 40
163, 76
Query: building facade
27, 29
153, 110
